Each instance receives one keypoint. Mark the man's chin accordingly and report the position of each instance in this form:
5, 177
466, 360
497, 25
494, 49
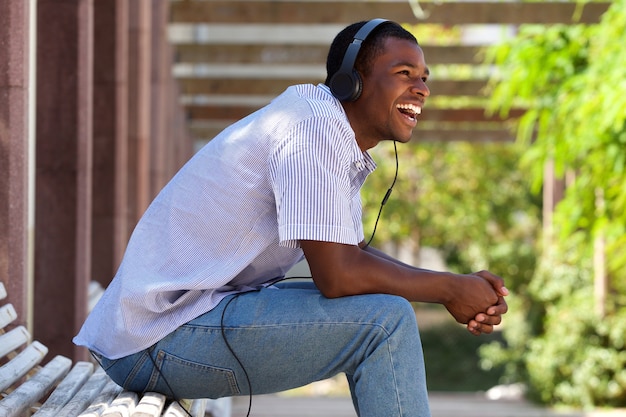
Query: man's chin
404, 138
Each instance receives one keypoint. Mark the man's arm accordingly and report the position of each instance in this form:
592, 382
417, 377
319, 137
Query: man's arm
340, 270
483, 322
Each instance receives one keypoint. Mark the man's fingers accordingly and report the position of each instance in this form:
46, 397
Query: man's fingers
498, 309
496, 281
485, 322
492, 320
477, 328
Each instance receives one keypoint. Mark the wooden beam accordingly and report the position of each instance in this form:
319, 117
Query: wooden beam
448, 13
205, 132
233, 113
250, 54
302, 54
264, 86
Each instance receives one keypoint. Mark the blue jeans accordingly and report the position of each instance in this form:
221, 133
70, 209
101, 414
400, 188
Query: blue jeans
286, 338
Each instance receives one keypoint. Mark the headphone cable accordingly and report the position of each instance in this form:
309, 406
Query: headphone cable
235, 355
151, 349
382, 204
177, 400
385, 198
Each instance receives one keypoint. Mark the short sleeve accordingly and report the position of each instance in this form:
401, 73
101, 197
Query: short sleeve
311, 179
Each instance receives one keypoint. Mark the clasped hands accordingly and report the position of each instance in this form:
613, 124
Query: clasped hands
478, 302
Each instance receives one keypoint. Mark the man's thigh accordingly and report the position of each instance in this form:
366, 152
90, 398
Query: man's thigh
278, 339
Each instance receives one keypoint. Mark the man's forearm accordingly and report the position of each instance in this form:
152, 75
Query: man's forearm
381, 254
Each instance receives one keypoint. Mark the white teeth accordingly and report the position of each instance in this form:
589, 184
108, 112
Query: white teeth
411, 107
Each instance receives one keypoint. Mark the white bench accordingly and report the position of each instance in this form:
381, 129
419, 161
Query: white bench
62, 389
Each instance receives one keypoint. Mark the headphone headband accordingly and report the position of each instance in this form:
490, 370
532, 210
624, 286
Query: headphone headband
345, 84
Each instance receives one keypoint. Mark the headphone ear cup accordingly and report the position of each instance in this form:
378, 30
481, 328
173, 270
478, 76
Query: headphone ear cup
346, 86
346, 83
358, 85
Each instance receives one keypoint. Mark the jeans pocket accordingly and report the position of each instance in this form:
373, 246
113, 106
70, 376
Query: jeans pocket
190, 379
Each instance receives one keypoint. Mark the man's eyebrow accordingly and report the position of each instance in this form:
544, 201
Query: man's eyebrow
409, 64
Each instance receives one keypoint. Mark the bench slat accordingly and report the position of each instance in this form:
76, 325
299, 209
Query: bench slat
101, 403
19, 366
150, 405
13, 339
64, 392
123, 406
175, 410
81, 391
197, 408
94, 293
7, 315
35, 388
85, 396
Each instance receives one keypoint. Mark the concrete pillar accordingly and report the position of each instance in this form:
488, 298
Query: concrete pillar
139, 64
16, 151
110, 137
64, 172
160, 75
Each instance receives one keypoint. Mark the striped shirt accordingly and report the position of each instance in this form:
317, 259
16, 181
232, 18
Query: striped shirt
230, 220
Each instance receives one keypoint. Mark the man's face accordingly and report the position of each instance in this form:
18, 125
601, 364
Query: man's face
394, 92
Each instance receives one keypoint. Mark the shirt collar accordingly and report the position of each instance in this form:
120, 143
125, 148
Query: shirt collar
361, 160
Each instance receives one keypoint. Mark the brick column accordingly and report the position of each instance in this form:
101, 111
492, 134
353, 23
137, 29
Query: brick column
64, 171
15, 150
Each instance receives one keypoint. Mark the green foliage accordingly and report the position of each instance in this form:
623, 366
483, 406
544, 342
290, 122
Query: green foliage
572, 80
468, 200
576, 358
554, 341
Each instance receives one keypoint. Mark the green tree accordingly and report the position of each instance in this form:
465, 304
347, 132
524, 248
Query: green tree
568, 346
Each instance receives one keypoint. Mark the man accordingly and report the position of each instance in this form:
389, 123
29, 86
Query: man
193, 310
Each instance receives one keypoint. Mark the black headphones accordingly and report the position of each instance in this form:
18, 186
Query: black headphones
346, 83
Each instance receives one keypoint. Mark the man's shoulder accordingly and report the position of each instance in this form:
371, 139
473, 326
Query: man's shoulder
319, 92
317, 100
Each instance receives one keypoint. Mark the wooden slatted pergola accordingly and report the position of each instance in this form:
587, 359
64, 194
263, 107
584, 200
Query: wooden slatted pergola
233, 56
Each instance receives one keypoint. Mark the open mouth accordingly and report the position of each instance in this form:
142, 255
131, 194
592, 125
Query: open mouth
409, 110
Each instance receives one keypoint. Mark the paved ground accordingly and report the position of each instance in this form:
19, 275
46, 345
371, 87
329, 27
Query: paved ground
442, 405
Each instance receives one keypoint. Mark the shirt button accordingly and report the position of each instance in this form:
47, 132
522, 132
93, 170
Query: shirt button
359, 165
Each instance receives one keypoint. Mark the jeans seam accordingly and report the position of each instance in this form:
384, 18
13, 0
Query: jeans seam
156, 372
135, 370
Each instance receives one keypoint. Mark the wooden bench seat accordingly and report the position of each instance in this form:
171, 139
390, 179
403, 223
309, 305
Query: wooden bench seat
62, 389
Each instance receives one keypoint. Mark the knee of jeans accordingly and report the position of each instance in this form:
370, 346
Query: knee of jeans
396, 304
397, 309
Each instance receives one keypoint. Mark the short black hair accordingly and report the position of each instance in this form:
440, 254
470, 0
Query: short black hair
370, 48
